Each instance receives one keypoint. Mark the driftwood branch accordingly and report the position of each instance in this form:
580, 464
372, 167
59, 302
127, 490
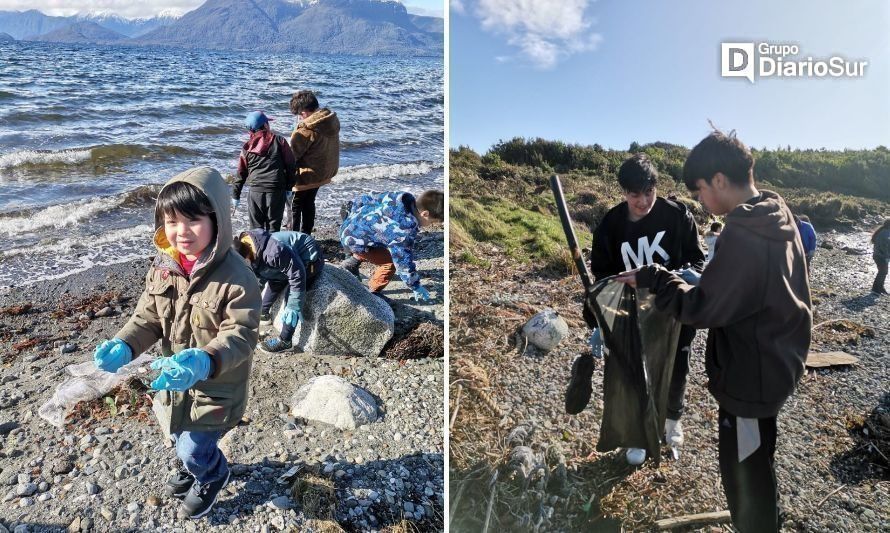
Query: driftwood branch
460, 389
719, 517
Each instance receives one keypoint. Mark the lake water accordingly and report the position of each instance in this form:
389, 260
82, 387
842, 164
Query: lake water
88, 134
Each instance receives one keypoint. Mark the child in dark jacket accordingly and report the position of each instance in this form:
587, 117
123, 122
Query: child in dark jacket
755, 298
286, 260
268, 166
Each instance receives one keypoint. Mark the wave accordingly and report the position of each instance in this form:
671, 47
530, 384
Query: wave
56, 216
33, 220
214, 130
7, 95
358, 144
374, 172
70, 244
102, 155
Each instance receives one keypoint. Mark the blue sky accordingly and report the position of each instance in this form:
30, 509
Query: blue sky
612, 72
148, 8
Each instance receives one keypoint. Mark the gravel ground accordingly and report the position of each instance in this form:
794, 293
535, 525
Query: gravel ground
831, 475
106, 473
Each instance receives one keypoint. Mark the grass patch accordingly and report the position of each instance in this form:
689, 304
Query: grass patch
525, 235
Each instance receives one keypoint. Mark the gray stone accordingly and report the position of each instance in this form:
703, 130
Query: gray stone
409, 507
26, 489
281, 503
26, 502
44, 497
545, 330
340, 317
92, 488
68, 348
133, 507
334, 401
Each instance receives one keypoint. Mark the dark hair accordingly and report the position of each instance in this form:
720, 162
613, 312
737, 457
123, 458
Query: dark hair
882, 227
722, 153
434, 202
716, 226
185, 199
637, 174
303, 101
804, 218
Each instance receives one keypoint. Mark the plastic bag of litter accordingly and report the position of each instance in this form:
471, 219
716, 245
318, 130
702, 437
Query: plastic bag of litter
640, 342
88, 383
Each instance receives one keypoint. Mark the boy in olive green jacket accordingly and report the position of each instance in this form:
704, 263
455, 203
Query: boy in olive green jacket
202, 302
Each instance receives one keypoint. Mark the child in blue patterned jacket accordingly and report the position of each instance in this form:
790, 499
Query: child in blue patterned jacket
381, 229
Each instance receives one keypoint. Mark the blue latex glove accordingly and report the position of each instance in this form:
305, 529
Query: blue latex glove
182, 370
111, 355
596, 343
290, 317
421, 294
690, 276
290, 196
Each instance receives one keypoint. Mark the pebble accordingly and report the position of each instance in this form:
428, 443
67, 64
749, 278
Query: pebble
153, 501
44, 497
26, 489
105, 311
133, 508
92, 489
26, 502
68, 348
280, 503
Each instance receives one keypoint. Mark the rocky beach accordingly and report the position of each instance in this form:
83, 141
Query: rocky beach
106, 469
518, 462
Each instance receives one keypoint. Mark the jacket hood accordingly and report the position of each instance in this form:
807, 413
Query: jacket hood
259, 142
211, 183
769, 218
259, 238
323, 121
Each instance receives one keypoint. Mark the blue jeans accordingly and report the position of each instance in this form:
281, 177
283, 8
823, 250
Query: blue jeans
199, 453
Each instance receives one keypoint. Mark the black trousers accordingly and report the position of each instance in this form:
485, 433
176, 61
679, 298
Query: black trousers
303, 211
266, 210
750, 486
878, 285
677, 388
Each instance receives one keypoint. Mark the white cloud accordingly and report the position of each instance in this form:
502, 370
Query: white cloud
124, 8
545, 31
457, 6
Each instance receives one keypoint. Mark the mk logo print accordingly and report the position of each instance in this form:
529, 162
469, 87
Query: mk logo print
645, 252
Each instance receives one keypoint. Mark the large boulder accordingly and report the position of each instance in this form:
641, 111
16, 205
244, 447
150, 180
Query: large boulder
545, 330
340, 317
334, 401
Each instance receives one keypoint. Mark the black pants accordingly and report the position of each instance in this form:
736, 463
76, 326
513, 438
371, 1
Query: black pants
677, 388
303, 211
750, 485
878, 285
266, 210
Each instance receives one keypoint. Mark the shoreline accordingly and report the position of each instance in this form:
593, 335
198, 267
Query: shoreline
378, 471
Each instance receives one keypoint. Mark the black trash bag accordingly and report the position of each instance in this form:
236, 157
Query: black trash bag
640, 343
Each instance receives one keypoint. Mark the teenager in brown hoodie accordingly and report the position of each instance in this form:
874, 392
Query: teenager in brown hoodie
754, 297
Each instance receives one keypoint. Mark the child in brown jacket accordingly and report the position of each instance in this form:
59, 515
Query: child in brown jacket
202, 302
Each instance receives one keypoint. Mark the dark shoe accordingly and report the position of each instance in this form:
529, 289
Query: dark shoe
580, 387
202, 496
265, 319
351, 264
179, 484
275, 345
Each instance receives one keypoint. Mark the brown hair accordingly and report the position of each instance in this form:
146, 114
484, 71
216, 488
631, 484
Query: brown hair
434, 202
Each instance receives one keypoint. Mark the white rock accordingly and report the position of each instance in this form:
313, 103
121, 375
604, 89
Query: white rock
545, 330
340, 317
334, 401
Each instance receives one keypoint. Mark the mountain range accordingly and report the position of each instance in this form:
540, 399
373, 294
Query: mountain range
358, 27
